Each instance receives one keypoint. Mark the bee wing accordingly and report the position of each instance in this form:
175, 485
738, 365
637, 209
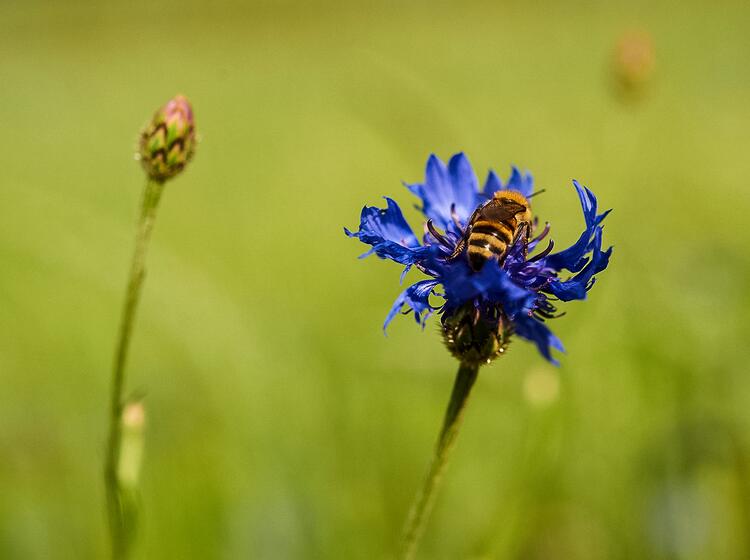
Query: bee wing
502, 211
497, 211
492, 211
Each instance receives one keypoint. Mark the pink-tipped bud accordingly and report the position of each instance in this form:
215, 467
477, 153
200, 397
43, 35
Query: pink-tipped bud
168, 142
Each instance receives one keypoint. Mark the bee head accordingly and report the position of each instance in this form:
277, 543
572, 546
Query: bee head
515, 197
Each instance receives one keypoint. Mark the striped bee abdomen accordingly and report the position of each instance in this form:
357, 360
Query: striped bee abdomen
489, 239
493, 227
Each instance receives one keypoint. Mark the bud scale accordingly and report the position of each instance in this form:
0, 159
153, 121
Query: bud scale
474, 335
168, 141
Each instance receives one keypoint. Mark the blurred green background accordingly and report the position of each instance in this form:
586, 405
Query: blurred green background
281, 423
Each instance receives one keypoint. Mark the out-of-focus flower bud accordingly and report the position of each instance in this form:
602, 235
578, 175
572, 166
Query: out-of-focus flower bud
633, 63
168, 142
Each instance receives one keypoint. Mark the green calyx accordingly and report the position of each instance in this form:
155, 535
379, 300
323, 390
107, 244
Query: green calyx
476, 336
168, 142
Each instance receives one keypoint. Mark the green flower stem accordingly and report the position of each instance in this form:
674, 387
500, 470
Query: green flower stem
120, 520
422, 506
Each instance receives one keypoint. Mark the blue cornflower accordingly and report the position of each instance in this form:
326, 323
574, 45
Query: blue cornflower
481, 307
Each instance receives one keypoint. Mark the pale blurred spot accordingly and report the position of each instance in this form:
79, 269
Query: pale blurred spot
131, 446
541, 387
566, 531
680, 520
634, 62
134, 416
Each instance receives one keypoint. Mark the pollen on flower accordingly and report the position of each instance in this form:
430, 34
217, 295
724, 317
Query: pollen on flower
541, 387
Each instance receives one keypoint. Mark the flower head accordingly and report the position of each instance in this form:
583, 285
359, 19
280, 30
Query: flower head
168, 142
514, 287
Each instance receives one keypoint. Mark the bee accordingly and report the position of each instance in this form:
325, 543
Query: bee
493, 228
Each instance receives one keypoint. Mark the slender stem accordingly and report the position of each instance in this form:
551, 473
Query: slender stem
119, 527
422, 506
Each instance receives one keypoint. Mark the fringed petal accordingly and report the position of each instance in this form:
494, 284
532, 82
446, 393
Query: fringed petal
417, 298
491, 284
389, 234
573, 258
448, 191
537, 332
577, 286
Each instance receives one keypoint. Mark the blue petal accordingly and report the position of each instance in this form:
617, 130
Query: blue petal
416, 297
386, 224
537, 332
491, 284
389, 234
523, 183
492, 184
447, 188
465, 185
520, 182
573, 258
577, 286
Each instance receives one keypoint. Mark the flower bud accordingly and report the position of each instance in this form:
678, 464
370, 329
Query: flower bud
476, 336
633, 63
168, 141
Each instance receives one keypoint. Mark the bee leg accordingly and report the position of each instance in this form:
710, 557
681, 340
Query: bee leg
459, 248
522, 236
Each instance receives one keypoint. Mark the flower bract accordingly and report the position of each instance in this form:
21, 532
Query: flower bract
168, 141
